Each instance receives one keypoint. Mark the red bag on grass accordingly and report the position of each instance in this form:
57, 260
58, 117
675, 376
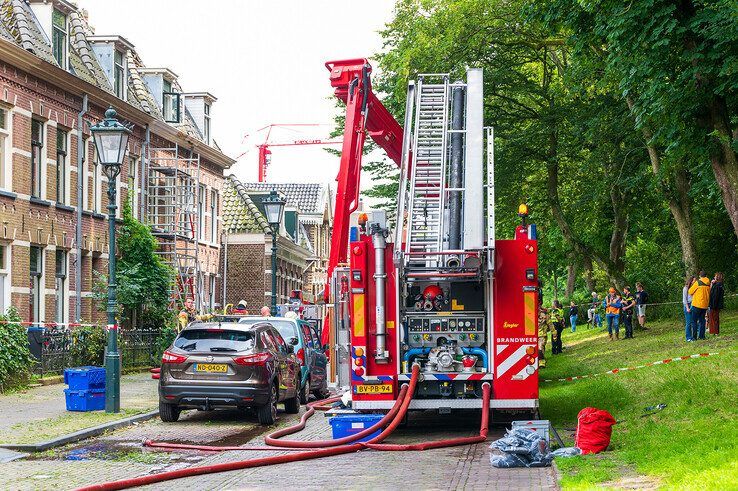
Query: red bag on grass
594, 429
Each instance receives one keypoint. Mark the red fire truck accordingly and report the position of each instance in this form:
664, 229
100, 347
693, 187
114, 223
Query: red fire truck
440, 291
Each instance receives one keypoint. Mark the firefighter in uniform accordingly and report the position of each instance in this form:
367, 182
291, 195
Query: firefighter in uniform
543, 328
189, 314
557, 324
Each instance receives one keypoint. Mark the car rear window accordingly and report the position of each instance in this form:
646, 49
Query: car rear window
286, 329
224, 340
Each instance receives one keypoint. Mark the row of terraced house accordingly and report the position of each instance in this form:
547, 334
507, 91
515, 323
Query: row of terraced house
57, 78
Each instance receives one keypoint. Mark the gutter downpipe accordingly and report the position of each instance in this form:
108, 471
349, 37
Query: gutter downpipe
144, 176
379, 241
225, 269
81, 151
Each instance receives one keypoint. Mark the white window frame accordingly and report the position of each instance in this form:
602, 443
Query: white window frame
206, 123
42, 160
96, 183
37, 283
65, 165
213, 216
5, 280
6, 151
212, 292
201, 195
65, 54
123, 74
62, 276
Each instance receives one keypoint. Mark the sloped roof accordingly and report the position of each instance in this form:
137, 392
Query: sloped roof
23, 25
309, 198
240, 213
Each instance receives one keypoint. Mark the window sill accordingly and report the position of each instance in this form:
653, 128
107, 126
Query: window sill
8, 194
60, 206
93, 214
39, 201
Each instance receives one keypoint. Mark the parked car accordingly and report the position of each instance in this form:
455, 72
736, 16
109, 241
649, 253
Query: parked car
214, 364
310, 354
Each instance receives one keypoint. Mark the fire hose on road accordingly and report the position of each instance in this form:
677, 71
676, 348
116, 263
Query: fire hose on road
324, 448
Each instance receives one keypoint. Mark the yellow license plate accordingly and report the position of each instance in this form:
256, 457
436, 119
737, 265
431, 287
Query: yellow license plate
211, 367
374, 389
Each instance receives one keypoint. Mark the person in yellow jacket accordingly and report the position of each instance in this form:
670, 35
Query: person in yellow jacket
700, 291
189, 314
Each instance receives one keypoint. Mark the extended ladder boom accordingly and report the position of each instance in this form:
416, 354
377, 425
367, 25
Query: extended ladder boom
365, 114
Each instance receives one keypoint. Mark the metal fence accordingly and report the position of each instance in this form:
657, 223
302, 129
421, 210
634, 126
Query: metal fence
54, 351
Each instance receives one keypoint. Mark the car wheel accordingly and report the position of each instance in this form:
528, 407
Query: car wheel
169, 413
292, 406
322, 393
305, 392
267, 413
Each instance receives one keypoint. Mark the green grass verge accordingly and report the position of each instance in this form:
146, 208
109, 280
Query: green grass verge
692, 444
42, 430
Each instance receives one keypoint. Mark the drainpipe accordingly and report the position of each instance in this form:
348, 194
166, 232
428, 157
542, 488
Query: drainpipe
81, 150
225, 269
379, 241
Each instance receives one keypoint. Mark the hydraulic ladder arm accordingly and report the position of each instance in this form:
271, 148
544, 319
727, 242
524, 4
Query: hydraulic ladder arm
365, 114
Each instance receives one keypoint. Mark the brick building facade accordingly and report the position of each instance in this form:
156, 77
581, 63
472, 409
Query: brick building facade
50, 64
247, 243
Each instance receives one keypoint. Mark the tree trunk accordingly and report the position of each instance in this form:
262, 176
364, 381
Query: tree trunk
723, 158
571, 277
675, 189
588, 277
616, 271
556, 286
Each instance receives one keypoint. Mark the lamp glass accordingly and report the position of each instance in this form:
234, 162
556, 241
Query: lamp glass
273, 208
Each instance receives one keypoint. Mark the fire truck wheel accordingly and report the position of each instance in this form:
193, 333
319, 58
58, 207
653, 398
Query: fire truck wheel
168, 413
267, 413
292, 405
305, 392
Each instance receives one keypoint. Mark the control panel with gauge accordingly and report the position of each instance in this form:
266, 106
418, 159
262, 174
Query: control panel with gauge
429, 331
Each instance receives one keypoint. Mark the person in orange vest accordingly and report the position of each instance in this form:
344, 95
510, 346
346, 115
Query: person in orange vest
241, 308
700, 291
613, 304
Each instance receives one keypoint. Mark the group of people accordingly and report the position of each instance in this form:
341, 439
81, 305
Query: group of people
619, 308
703, 299
189, 313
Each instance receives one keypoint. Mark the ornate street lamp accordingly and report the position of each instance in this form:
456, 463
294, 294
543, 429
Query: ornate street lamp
111, 143
274, 209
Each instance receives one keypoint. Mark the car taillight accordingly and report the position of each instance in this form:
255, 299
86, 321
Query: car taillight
169, 357
258, 359
301, 356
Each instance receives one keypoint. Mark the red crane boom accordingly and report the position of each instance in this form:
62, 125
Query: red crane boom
365, 114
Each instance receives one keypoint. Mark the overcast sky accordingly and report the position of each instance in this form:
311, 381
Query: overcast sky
263, 60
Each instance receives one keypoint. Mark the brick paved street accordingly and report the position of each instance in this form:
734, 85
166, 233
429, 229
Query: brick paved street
119, 455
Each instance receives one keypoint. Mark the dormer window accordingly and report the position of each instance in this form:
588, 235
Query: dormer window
59, 37
170, 105
119, 75
206, 124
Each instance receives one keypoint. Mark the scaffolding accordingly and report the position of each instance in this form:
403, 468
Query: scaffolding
173, 194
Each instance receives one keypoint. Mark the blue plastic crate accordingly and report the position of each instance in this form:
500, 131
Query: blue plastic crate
83, 378
351, 424
85, 400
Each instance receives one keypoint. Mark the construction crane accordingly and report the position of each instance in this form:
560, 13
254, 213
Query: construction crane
265, 153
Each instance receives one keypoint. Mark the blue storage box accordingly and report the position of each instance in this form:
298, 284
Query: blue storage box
354, 423
85, 400
83, 378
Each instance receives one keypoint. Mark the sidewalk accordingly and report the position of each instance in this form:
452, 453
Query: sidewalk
40, 413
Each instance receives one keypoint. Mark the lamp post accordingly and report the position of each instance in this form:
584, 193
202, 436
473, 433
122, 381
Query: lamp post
274, 208
111, 143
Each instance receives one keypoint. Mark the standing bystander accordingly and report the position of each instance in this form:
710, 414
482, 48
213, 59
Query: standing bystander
717, 302
641, 301
687, 303
627, 313
700, 291
543, 328
573, 315
613, 304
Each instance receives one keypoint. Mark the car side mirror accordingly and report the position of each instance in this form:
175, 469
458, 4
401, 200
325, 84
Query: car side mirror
290, 349
293, 341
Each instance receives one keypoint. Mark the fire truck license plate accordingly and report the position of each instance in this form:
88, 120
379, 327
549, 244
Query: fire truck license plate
211, 367
374, 389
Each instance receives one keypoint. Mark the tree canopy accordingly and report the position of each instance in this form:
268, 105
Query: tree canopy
615, 121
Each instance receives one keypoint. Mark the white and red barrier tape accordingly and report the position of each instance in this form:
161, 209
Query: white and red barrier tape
618, 370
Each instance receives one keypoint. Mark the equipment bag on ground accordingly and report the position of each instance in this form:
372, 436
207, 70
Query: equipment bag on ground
594, 429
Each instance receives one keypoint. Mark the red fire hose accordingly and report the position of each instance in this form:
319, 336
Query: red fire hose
310, 454
250, 463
